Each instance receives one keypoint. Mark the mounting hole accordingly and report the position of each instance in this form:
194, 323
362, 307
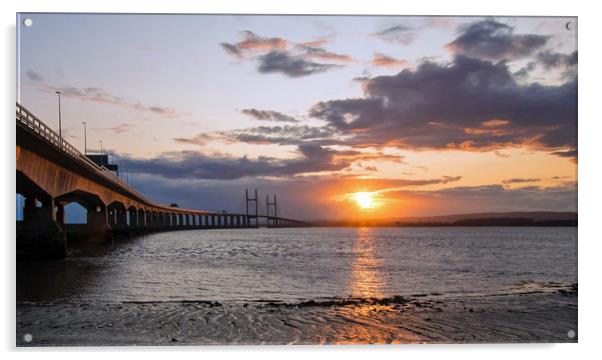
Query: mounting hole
28, 22
27, 337
571, 334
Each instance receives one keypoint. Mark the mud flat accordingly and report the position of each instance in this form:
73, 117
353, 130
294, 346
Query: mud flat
529, 314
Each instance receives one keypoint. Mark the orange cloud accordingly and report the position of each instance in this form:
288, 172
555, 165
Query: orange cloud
389, 62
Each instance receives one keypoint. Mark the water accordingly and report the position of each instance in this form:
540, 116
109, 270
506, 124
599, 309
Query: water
292, 265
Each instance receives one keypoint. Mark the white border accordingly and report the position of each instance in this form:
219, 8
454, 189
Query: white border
589, 166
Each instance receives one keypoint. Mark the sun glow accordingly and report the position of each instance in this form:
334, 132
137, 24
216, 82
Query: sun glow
364, 200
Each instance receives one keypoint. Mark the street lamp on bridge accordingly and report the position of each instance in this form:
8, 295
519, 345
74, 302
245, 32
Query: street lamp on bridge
85, 140
60, 130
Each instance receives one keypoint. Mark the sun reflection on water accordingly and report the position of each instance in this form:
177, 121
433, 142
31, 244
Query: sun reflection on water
369, 323
366, 277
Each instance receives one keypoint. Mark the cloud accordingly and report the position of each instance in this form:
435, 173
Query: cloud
190, 164
232, 50
275, 55
551, 59
389, 62
265, 135
99, 95
489, 198
492, 40
550, 63
316, 42
318, 53
269, 115
281, 135
519, 181
200, 139
571, 153
121, 128
311, 158
397, 34
388, 185
469, 104
291, 65
253, 43
565, 63
34, 76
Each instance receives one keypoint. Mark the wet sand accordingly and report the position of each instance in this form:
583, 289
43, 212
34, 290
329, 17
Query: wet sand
531, 313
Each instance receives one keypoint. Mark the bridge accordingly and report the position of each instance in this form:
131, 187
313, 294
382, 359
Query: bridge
51, 173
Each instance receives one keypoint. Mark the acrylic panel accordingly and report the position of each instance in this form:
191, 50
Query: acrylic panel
196, 179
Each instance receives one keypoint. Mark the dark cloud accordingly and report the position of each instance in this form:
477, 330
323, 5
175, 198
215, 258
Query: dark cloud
99, 95
565, 64
552, 59
290, 65
275, 56
232, 50
195, 165
34, 76
269, 115
311, 158
572, 154
280, 135
492, 40
524, 72
468, 104
397, 34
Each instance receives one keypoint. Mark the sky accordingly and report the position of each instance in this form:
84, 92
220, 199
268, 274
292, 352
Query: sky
339, 116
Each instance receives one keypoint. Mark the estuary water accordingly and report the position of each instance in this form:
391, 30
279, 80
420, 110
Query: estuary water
304, 264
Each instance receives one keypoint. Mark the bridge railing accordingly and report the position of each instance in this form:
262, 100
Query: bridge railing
37, 126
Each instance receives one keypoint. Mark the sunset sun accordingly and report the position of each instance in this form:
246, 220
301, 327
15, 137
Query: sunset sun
364, 200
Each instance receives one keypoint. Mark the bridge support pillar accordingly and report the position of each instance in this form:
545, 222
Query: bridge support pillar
60, 214
133, 218
121, 217
41, 236
98, 223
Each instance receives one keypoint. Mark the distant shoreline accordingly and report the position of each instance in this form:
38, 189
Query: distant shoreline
511, 219
535, 224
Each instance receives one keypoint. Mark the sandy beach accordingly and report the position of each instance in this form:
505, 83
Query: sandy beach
529, 314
